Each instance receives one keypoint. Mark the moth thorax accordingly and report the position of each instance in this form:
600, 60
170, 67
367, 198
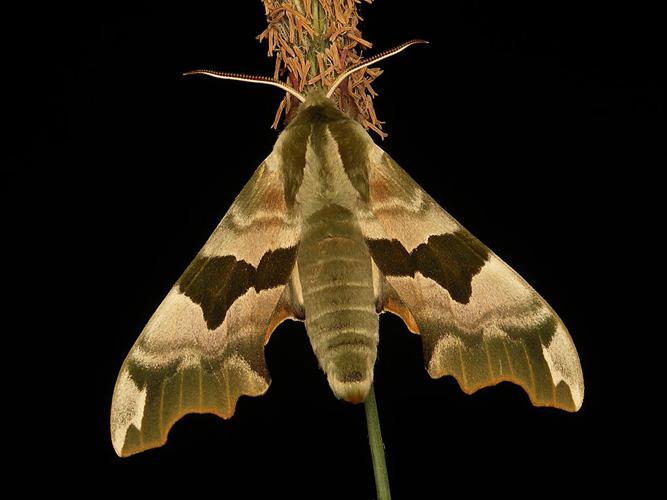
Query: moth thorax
336, 278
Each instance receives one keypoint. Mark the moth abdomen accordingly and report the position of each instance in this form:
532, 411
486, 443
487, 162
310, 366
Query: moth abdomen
339, 302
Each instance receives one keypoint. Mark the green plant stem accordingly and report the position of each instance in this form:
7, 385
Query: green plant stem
377, 447
317, 43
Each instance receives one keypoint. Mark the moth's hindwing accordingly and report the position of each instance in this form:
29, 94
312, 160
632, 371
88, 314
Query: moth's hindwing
478, 319
204, 346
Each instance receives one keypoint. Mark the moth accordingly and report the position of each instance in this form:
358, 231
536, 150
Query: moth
331, 231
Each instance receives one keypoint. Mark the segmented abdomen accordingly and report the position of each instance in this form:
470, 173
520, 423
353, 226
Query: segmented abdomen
337, 283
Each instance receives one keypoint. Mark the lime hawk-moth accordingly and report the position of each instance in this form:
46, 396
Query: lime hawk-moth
331, 231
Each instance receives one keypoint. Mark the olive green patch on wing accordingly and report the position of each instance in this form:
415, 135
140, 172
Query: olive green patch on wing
451, 260
216, 282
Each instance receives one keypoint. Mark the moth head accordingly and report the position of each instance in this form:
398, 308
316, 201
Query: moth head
316, 97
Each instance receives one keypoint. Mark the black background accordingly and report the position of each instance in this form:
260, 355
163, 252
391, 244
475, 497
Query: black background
531, 122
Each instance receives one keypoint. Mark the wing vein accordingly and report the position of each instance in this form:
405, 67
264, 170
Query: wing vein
530, 368
161, 420
201, 388
180, 392
509, 361
463, 370
488, 356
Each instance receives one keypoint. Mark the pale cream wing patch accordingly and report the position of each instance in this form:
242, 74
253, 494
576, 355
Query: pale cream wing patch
260, 210
397, 202
204, 346
479, 320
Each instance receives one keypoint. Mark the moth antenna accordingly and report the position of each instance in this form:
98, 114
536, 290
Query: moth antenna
249, 78
371, 60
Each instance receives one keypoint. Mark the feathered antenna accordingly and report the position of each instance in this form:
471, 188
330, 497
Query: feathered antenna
223, 75
371, 60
